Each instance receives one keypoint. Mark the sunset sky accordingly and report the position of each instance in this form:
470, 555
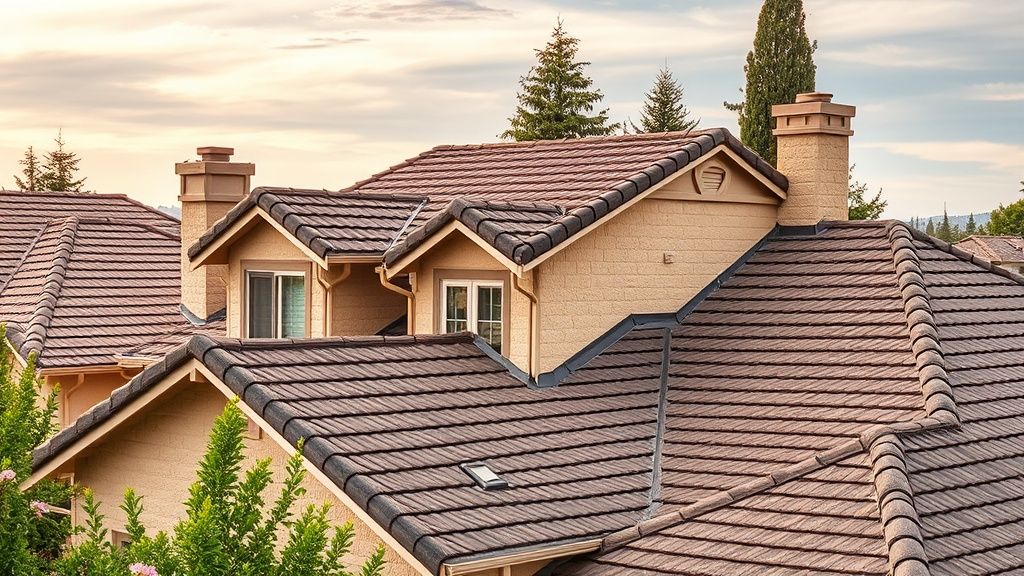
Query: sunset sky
323, 93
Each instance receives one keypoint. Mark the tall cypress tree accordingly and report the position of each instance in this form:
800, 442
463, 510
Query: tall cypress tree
780, 66
663, 109
556, 97
972, 226
59, 169
32, 171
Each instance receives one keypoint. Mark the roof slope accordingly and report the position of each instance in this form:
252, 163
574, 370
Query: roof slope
995, 248
523, 198
87, 289
801, 419
24, 214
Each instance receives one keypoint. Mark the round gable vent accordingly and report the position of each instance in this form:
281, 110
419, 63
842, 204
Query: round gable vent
711, 178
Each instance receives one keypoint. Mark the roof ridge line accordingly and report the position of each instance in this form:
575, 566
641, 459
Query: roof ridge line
983, 245
36, 328
924, 336
901, 524
584, 139
962, 254
821, 459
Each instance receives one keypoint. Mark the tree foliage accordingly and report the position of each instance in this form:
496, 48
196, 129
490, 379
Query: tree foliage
229, 529
780, 66
557, 98
663, 109
1008, 220
859, 207
30, 536
56, 171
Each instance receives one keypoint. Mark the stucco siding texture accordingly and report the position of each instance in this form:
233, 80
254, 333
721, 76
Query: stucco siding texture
88, 289
619, 269
157, 455
360, 305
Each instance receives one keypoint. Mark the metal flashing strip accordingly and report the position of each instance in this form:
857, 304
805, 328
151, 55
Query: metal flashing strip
655, 494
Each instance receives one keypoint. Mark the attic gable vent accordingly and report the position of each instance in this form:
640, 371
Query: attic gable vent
711, 178
484, 477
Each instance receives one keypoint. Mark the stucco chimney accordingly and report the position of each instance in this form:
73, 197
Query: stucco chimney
209, 188
814, 153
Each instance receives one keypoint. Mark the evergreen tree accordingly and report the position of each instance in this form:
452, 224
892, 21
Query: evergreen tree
971, 228
32, 171
780, 66
944, 231
557, 98
859, 208
663, 109
59, 169
930, 228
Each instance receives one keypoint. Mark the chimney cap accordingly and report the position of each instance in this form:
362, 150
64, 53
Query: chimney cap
813, 97
215, 153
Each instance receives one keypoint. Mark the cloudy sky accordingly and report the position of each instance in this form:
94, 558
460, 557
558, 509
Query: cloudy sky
321, 93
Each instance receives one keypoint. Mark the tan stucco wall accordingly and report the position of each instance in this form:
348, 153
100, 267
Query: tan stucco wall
619, 269
157, 452
264, 243
202, 290
361, 306
460, 253
79, 393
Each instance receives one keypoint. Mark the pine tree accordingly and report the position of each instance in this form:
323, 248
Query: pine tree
944, 231
557, 97
32, 171
971, 228
59, 168
780, 66
930, 228
663, 109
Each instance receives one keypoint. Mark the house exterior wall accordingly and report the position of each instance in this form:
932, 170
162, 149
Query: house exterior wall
157, 454
361, 306
619, 269
264, 244
80, 392
458, 254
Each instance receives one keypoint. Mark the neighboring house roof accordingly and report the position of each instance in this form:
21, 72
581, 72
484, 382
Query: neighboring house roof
23, 215
523, 198
152, 350
799, 417
87, 289
995, 248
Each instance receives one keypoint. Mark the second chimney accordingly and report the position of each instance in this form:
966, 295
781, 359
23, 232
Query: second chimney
814, 153
209, 188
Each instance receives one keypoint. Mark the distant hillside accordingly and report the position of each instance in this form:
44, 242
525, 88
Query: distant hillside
172, 210
957, 220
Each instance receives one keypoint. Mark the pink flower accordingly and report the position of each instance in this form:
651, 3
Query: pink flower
39, 508
143, 569
7, 475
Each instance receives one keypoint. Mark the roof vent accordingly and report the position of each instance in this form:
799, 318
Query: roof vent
484, 477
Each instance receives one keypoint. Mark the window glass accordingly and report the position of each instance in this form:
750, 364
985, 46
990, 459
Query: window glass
488, 315
261, 305
292, 302
456, 316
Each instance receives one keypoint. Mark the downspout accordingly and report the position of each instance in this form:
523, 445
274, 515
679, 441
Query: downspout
328, 286
410, 298
532, 321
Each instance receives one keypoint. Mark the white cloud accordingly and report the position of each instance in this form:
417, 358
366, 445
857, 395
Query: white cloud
997, 92
897, 56
994, 155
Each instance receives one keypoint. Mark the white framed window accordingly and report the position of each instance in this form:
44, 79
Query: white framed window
473, 305
275, 304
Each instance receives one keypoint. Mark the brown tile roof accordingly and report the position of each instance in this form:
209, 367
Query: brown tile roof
23, 215
845, 402
163, 344
86, 289
523, 198
995, 248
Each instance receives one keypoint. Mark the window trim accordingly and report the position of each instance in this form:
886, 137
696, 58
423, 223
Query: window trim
278, 268
473, 278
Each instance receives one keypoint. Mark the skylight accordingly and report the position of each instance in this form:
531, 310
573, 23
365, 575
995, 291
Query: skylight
484, 477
